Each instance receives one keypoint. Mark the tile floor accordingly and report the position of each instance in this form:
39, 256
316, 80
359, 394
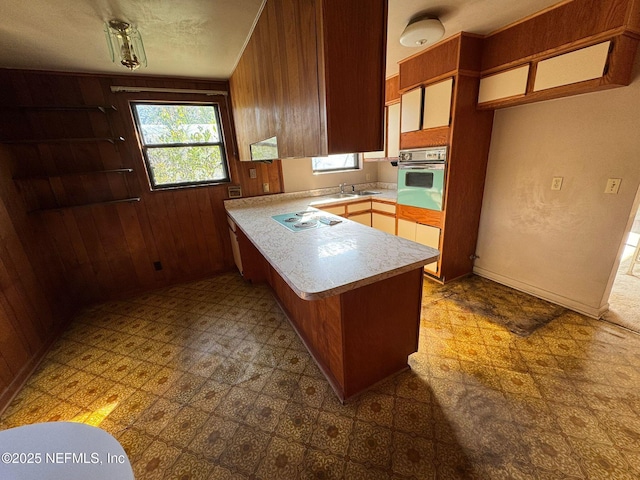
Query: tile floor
208, 381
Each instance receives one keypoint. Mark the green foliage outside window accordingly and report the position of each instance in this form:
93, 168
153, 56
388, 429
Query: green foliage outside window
182, 143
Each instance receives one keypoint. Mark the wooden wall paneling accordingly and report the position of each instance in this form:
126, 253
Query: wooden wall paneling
208, 242
185, 234
6, 377
443, 61
142, 255
552, 28
82, 279
19, 313
110, 234
392, 90
14, 349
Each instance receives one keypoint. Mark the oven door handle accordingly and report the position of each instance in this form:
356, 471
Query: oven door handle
421, 166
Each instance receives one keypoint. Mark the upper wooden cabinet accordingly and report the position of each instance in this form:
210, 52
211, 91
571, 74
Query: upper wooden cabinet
575, 47
312, 75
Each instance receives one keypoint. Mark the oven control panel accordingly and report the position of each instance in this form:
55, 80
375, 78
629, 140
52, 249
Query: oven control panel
436, 154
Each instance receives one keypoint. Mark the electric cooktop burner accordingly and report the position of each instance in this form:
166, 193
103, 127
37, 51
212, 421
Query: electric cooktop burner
299, 221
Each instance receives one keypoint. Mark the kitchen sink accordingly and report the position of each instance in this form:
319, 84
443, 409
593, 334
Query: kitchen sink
368, 192
343, 195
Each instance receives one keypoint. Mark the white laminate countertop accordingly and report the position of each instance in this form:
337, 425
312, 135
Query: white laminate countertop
330, 260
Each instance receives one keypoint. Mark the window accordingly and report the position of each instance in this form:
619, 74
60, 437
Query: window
182, 144
335, 163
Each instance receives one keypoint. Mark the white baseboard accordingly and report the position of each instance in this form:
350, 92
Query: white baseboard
543, 294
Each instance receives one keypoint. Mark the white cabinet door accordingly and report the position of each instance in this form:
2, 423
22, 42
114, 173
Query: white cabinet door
429, 236
410, 110
578, 66
407, 229
437, 104
339, 210
393, 130
383, 222
504, 84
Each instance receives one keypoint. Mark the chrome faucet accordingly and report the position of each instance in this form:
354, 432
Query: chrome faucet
342, 185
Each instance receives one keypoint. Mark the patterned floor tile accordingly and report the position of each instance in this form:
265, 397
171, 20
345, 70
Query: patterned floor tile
207, 380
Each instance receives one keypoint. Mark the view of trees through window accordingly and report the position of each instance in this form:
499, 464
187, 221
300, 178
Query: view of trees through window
182, 143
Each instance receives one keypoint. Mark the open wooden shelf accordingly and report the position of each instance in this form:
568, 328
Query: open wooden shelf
101, 108
111, 140
84, 205
75, 174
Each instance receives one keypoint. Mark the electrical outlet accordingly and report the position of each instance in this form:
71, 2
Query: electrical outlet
556, 183
367, 177
253, 173
265, 187
613, 184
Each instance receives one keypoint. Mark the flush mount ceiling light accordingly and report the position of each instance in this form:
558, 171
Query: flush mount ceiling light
421, 31
125, 43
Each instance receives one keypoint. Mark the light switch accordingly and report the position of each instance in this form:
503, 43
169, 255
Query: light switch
253, 173
556, 183
265, 187
613, 184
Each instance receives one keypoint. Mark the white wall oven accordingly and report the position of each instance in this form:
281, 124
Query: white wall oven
421, 177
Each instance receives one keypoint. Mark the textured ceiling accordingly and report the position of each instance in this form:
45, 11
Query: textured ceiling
196, 38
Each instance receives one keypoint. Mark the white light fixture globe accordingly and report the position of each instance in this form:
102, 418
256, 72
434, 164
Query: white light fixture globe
421, 31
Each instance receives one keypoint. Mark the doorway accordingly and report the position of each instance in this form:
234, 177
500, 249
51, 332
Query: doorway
624, 300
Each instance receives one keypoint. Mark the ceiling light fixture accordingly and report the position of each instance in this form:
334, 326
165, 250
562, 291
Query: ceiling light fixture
422, 30
125, 39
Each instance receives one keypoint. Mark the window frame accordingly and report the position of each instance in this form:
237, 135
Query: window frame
358, 166
144, 147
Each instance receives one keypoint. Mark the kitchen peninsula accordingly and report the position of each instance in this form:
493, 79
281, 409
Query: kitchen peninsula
353, 293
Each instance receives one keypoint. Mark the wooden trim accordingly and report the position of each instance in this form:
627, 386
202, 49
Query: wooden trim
421, 215
392, 90
553, 30
443, 58
432, 137
618, 74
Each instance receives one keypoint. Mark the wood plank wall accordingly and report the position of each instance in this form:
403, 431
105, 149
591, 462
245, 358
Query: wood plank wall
56, 261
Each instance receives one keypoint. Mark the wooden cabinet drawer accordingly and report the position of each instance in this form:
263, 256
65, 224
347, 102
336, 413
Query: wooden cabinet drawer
336, 210
359, 207
383, 207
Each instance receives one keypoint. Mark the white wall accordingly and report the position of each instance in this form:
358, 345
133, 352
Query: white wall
387, 173
561, 245
298, 175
